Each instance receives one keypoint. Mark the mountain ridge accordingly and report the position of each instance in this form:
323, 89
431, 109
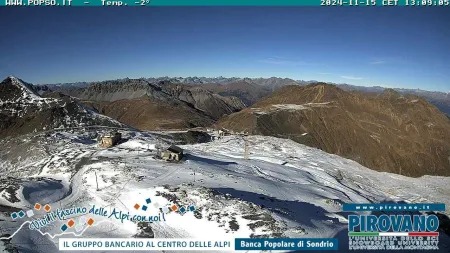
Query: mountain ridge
212, 104
437, 98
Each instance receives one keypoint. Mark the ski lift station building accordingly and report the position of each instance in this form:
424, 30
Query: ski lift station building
173, 153
110, 139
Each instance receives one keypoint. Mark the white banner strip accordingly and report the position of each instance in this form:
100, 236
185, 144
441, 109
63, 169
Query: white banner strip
104, 244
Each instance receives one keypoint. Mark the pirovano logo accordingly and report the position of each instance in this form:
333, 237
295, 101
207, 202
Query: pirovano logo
394, 231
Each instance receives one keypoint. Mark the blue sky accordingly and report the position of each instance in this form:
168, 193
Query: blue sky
393, 47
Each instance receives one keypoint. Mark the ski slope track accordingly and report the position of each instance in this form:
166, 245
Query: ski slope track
284, 189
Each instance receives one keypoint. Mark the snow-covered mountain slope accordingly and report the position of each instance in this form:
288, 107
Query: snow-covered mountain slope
284, 189
23, 111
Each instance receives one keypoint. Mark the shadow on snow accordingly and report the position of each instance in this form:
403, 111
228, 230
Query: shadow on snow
207, 160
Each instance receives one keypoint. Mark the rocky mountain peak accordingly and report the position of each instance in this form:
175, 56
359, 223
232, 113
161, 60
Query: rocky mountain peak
13, 89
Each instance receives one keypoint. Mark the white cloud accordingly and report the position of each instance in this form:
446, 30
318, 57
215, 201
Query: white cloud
390, 60
377, 62
352, 77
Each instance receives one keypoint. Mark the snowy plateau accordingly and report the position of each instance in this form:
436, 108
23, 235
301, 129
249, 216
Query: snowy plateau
284, 189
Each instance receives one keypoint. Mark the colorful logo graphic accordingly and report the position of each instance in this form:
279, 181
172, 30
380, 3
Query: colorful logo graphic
76, 220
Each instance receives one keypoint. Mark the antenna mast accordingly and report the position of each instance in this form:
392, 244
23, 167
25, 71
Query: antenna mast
245, 148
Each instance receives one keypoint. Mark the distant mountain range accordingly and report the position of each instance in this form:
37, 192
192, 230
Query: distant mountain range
249, 93
267, 82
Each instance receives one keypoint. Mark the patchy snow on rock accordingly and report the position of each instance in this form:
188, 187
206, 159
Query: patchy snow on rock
28, 92
29, 95
289, 107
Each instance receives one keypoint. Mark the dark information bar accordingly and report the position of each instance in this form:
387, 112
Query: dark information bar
323, 3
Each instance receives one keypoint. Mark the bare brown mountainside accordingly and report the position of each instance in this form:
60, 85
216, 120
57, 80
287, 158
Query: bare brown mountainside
212, 104
146, 114
387, 132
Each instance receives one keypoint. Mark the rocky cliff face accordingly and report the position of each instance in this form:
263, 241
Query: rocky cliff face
212, 104
246, 90
110, 91
387, 132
